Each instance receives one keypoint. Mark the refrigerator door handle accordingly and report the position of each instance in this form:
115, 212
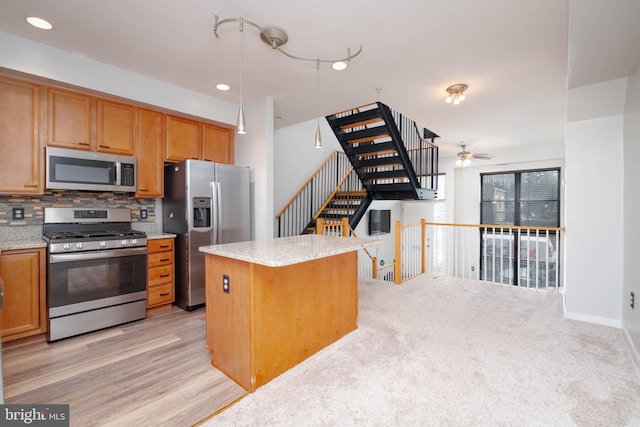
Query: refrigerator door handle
215, 212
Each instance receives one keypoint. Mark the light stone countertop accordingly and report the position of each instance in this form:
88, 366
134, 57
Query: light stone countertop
284, 251
153, 236
7, 244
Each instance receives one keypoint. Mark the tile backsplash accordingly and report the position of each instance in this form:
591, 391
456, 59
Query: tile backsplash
34, 205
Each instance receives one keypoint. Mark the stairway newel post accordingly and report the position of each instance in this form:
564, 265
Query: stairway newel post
397, 262
423, 245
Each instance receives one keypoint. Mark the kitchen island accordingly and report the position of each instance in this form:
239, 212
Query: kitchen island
271, 304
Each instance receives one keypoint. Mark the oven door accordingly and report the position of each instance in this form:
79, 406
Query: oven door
91, 280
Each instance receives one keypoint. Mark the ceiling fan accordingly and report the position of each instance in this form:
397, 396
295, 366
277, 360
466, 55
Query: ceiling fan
464, 156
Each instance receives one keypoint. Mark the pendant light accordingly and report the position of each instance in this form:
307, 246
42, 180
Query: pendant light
318, 135
242, 124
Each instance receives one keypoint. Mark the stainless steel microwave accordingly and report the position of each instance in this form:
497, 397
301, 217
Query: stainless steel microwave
68, 169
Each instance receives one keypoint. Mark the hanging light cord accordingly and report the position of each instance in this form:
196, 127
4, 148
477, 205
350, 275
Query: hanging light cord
241, 58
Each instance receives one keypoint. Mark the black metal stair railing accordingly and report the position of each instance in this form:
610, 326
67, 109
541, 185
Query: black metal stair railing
423, 152
332, 175
395, 157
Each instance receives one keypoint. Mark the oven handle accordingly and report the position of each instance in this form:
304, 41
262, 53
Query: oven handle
97, 255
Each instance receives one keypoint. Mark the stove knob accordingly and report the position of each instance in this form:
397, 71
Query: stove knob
103, 244
66, 246
78, 245
123, 243
134, 242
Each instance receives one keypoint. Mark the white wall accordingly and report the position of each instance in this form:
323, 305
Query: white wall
593, 206
631, 208
297, 158
44, 61
256, 149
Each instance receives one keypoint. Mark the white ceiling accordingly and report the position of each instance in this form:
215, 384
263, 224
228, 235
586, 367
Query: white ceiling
516, 56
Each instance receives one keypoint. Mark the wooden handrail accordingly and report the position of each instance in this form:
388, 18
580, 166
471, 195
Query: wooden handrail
282, 211
354, 108
333, 193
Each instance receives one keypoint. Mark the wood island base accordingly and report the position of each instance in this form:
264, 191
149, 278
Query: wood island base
263, 320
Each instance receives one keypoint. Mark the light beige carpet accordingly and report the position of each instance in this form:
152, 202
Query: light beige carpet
455, 352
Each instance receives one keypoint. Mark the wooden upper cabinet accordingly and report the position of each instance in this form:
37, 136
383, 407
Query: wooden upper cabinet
217, 144
69, 119
183, 139
20, 158
150, 136
115, 127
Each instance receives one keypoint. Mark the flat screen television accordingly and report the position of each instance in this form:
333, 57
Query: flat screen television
379, 221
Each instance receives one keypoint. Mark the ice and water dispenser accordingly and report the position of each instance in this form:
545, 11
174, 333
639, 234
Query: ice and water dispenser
201, 212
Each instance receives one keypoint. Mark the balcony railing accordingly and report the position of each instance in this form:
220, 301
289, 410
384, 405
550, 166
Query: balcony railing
527, 257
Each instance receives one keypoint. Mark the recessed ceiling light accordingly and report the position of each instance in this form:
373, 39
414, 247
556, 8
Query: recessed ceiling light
39, 23
222, 86
339, 66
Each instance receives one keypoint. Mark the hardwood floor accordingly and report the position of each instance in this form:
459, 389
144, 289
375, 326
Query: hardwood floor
152, 372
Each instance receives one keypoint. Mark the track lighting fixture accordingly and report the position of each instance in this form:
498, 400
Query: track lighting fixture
276, 38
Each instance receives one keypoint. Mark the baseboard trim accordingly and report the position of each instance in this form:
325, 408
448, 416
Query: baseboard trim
605, 321
635, 355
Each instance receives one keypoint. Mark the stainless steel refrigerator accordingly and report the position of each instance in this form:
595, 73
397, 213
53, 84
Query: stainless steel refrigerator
204, 204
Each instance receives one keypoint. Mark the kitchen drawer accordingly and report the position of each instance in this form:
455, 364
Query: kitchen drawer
159, 275
159, 245
160, 294
160, 258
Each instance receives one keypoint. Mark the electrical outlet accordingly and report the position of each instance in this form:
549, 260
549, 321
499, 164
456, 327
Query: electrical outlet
143, 214
632, 300
473, 268
225, 284
18, 213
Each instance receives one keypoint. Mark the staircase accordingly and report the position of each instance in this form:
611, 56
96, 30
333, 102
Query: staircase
387, 156
351, 204
391, 158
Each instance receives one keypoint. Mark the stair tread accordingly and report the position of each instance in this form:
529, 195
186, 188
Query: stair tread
347, 120
364, 134
378, 148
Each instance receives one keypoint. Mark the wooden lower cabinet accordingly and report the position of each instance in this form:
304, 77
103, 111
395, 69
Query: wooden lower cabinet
24, 275
160, 273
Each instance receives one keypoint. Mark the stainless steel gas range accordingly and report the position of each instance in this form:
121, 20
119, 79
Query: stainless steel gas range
96, 270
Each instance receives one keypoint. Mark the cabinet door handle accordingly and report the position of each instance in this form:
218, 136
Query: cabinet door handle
165, 259
164, 294
105, 146
143, 189
165, 275
83, 143
31, 185
164, 246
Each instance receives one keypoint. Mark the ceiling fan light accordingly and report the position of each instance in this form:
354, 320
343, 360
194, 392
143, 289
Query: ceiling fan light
459, 162
466, 162
448, 99
461, 97
456, 100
